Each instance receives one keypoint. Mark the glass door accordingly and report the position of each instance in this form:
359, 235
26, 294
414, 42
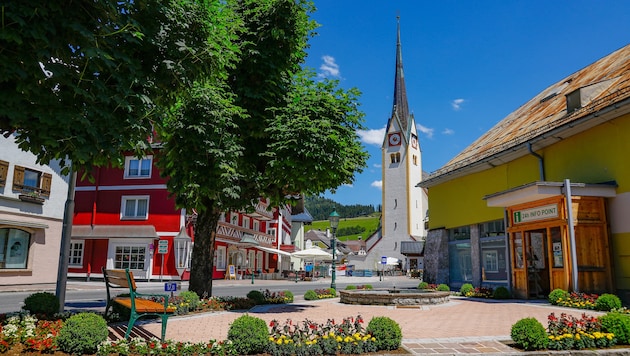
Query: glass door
537, 263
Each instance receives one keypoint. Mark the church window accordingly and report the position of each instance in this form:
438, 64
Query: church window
395, 157
395, 203
415, 160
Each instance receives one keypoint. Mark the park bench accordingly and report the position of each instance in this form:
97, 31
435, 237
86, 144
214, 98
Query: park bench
135, 302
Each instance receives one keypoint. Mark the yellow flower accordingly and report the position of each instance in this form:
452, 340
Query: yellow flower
270, 338
279, 342
339, 339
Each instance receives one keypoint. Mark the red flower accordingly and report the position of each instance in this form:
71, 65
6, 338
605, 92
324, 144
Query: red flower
272, 324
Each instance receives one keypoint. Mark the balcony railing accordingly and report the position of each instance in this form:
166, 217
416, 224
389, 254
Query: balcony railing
235, 233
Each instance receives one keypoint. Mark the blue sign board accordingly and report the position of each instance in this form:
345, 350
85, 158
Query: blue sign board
170, 287
383, 260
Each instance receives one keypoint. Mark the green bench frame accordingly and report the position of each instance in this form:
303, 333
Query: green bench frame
135, 302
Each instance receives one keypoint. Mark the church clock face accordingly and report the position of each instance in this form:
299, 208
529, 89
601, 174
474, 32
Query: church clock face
394, 139
414, 141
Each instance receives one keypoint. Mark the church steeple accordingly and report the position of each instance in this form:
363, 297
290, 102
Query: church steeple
401, 107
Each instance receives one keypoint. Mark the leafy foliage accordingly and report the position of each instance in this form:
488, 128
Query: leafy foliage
320, 208
568, 332
618, 324
501, 293
42, 304
466, 288
249, 335
443, 288
607, 302
529, 334
82, 333
556, 295
86, 82
386, 331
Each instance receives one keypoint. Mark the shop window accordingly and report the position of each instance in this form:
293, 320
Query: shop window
135, 207
221, 254
490, 261
138, 167
75, 256
132, 257
459, 233
26, 180
251, 259
4, 171
14, 248
492, 228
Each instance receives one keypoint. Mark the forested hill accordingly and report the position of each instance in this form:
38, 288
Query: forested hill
320, 208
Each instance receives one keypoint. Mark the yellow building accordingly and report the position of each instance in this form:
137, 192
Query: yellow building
542, 200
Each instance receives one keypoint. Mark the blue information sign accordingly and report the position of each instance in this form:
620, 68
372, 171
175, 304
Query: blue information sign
383, 260
170, 287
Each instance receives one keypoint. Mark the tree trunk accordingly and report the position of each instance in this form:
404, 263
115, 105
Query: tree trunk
202, 263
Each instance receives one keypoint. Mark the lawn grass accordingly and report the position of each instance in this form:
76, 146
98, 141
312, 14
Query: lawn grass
370, 223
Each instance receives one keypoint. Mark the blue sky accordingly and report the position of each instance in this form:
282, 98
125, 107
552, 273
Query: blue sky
467, 64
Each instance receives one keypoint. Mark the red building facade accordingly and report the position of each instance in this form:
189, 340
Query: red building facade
124, 218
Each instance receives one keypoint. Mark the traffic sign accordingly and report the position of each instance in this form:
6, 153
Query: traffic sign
163, 246
170, 287
383, 260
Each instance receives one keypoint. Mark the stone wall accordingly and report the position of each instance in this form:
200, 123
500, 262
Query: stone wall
436, 257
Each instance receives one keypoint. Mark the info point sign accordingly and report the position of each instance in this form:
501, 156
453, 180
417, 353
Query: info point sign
537, 213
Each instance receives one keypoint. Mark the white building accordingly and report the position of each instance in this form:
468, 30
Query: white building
32, 201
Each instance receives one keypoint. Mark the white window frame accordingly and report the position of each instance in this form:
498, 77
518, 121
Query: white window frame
256, 226
245, 222
271, 231
79, 247
251, 259
145, 262
128, 160
491, 261
123, 206
221, 258
259, 261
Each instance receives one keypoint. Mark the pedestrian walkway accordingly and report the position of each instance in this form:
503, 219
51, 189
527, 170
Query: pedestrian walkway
462, 326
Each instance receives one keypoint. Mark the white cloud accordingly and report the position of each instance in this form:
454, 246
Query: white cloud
372, 137
448, 131
457, 104
377, 184
329, 68
347, 185
425, 130
377, 165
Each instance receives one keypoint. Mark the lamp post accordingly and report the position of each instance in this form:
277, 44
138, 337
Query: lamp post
334, 222
182, 252
248, 241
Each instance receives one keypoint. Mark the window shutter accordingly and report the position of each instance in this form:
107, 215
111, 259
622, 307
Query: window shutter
46, 183
4, 170
18, 178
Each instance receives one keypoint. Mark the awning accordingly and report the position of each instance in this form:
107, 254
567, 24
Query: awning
541, 190
33, 225
113, 231
273, 250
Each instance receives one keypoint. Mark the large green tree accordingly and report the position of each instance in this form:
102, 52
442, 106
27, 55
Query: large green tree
84, 80
270, 129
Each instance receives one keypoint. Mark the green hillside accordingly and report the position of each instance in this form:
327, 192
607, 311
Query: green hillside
349, 228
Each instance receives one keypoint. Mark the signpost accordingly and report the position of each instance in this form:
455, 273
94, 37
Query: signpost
170, 287
383, 263
162, 250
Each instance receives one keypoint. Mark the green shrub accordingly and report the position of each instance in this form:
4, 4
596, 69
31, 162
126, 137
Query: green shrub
82, 333
191, 298
466, 288
556, 295
288, 296
42, 303
249, 335
257, 296
386, 331
529, 334
443, 288
423, 285
367, 286
310, 295
607, 302
332, 291
618, 324
351, 287
501, 293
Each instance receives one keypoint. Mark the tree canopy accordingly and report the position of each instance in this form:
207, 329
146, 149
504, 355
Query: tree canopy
86, 80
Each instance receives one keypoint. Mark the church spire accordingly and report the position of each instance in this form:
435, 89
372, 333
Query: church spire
401, 107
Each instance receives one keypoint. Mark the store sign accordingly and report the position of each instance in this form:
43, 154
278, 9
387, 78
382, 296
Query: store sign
534, 214
163, 246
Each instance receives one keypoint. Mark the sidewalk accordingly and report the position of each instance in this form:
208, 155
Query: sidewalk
461, 326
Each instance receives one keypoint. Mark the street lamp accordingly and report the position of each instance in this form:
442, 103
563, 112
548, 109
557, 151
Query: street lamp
334, 222
248, 241
182, 252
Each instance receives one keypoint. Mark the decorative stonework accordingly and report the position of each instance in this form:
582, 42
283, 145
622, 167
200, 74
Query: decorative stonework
398, 297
